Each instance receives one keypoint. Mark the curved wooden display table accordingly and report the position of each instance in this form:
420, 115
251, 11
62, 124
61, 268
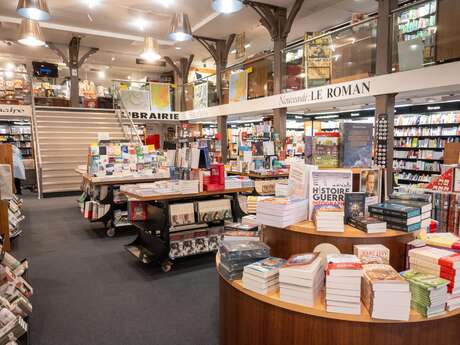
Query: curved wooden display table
249, 318
303, 237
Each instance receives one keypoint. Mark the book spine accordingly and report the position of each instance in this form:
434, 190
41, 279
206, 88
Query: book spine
357, 225
388, 212
451, 214
402, 221
406, 228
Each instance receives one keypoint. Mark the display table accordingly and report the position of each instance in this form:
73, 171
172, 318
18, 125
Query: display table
303, 237
119, 180
250, 318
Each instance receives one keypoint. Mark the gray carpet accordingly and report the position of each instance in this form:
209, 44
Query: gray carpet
89, 290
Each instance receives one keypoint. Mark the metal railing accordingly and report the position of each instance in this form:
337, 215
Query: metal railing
37, 150
123, 114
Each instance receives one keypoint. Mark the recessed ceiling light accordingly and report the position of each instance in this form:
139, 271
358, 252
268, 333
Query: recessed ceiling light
167, 3
101, 74
92, 3
247, 45
129, 77
141, 23
178, 48
113, 58
10, 66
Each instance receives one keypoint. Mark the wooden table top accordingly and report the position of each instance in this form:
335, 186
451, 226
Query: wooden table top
308, 227
320, 308
117, 180
163, 197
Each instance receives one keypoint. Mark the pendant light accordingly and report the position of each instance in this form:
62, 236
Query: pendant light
151, 49
33, 9
30, 34
227, 6
180, 28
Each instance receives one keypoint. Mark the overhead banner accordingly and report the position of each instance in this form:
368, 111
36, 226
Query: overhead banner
238, 87
135, 100
200, 96
160, 97
15, 110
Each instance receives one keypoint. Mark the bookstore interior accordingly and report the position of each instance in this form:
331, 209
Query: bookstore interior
297, 163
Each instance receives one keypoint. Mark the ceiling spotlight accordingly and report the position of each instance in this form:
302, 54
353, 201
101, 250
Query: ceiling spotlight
167, 3
227, 6
141, 23
92, 3
180, 28
178, 48
30, 34
33, 9
151, 49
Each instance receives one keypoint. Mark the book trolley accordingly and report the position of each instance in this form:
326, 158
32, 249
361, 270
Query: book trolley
154, 243
92, 192
247, 317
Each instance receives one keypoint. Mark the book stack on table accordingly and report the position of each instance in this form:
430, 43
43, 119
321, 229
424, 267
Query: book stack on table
234, 255
371, 225
241, 232
398, 217
343, 284
329, 219
385, 293
442, 263
301, 279
281, 212
429, 293
262, 276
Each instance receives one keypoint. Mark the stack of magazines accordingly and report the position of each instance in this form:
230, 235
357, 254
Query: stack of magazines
234, 255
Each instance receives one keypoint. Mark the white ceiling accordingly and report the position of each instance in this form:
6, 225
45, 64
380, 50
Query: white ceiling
117, 18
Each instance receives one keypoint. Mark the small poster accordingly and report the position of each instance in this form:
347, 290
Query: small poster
160, 97
135, 100
200, 96
443, 183
328, 188
238, 87
370, 182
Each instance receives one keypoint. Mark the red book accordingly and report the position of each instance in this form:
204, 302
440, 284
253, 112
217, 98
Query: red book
344, 266
451, 261
448, 271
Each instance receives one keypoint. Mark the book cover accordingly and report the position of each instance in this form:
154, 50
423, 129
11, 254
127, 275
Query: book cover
355, 205
301, 259
326, 150
265, 267
372, 253
371, 182
381, 273
356, 145
395, 210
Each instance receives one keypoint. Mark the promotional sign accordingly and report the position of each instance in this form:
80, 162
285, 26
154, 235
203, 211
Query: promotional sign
328, 188
238, 87
160, 97
200, 96
15, 110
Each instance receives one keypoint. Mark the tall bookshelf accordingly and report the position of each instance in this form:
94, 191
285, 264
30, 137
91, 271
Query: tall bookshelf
21, 133
419, 144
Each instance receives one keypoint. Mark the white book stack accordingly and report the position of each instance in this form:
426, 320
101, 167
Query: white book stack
281, 212
301, 279
329, 219
385, 293
262, 276
189, 186
343, 284
453, 302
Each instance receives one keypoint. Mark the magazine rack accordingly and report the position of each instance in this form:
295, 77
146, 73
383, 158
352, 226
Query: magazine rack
153, 241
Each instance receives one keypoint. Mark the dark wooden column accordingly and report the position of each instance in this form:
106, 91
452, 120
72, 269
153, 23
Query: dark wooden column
181, 70
385, 104
278, 23
219, 50
74, 63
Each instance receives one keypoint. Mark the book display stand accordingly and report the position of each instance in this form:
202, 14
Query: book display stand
154, 241
102, 191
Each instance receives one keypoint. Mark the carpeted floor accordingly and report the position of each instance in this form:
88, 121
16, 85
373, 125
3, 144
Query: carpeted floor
89, 291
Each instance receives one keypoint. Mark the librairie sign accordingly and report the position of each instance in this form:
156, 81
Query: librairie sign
15, 110
154, 116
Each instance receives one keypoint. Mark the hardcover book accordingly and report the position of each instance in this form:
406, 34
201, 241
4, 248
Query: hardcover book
356, 145
355, 204
395, 210
326, 150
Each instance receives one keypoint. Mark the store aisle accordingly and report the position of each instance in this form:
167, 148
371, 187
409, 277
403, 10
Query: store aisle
88, 290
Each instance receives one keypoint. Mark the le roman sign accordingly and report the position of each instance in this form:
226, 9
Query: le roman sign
154, 116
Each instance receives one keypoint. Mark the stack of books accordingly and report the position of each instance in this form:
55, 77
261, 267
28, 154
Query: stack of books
429, 293
371, 225
234, 255
249, 219
189, 186
329, 219
281, 212
301, 279
252, 203
241, 232
423, 201
398, 217
442, 263
385, 293
453, 302
262, 276
343, 284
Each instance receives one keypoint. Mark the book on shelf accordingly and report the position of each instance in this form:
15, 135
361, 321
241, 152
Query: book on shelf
369, 224
372, 253
355, 205
385, 293
343, 282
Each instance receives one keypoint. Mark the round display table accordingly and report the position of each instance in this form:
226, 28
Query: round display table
303, 238
249, 318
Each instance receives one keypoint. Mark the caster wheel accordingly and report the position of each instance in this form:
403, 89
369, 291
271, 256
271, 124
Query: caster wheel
167, 266
110, 232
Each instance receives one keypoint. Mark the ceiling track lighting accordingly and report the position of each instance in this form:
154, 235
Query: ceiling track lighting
227, 6
33, 9
151, 49
180, 28
30, 34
